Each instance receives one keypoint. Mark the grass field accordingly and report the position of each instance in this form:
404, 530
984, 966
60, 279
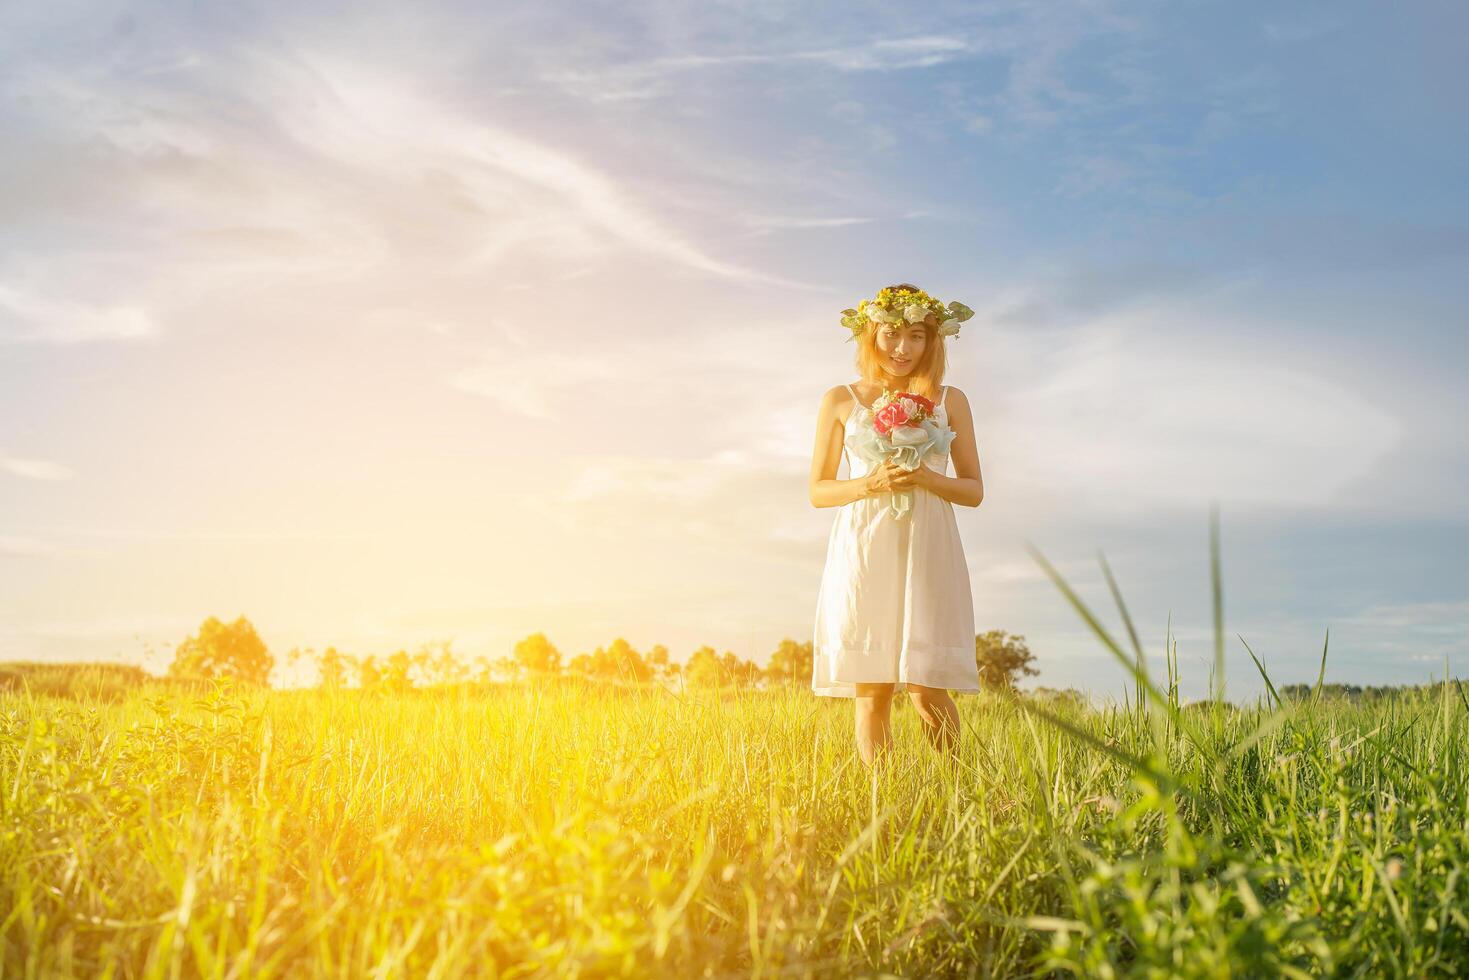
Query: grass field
582, 830
572, 829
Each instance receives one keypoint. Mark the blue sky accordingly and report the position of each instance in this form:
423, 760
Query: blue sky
385, 325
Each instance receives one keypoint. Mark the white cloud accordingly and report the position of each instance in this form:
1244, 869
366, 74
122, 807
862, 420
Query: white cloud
774, 222
29, 318
376, 123
35, 469
530, 379
717, 504
1125, 413
653, 78
1447, 618
298, 169
895, 54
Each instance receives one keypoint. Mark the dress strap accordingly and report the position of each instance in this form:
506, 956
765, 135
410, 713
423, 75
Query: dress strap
856, 405
944, 397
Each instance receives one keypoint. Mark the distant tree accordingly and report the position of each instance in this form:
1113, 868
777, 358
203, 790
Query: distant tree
791, 663
398, 676
422, 663
537, 656
332, 667
706, 668
1348, 691
1002, 659
618, 662
702, 668
626, 664
369, 673
1068, 694
297, 654
485, 669
657, 660
224, 650
444, 667
507, 667
745, 673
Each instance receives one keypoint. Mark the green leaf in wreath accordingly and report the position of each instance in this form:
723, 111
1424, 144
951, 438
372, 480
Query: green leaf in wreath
960, 312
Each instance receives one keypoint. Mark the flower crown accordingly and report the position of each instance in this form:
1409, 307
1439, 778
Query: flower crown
896, 304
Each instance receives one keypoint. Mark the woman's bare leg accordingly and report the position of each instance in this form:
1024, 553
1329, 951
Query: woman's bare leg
939, 714
874, 720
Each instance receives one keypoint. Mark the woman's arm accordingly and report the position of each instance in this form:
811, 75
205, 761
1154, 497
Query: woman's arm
966, 486
826, 490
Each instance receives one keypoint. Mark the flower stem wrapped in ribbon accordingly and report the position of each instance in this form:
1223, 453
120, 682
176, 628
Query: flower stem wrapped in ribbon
901, 426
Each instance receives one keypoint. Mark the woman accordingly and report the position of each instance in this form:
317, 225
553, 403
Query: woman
894, 611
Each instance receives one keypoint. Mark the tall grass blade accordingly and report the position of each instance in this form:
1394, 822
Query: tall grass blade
1096, 627
1321, 675
1274, 695
1137, 646
1164, 780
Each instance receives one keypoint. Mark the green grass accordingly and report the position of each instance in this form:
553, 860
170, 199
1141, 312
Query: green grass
575, 830
572, 829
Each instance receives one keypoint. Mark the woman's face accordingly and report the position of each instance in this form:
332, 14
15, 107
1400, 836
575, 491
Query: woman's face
900, 345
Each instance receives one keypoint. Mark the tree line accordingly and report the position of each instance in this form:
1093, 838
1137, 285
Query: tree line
236, 650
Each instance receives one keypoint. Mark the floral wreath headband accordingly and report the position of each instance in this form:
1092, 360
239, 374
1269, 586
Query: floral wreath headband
897, 304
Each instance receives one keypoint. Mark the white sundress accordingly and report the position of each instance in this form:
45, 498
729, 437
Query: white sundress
894, 606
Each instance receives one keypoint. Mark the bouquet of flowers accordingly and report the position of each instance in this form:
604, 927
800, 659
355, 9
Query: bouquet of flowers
903, 427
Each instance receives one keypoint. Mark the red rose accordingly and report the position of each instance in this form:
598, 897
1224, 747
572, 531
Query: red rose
889, 417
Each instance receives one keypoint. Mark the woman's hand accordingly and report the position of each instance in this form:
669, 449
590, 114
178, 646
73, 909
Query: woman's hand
892, 478
883, 478
916, 477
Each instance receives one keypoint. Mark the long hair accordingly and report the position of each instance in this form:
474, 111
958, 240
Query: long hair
927, 376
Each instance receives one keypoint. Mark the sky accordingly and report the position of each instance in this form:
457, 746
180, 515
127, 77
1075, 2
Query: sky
383, 324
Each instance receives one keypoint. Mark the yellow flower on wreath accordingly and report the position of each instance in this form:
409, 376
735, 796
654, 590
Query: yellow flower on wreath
899, 304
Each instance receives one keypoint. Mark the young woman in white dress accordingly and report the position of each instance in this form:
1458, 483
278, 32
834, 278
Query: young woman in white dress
894, 609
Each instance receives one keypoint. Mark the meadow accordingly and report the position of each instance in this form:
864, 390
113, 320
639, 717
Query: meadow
591, 831
576, 829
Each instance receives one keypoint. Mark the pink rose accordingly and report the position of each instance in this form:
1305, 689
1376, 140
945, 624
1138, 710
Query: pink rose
926, 403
